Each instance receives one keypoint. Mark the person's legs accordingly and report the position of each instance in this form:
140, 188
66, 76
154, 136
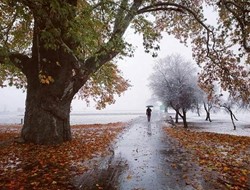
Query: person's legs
149, 118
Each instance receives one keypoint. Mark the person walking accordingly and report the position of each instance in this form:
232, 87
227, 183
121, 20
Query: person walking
148, 113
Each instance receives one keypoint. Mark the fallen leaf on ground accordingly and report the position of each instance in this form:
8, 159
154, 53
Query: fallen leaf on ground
29, 166
227, 155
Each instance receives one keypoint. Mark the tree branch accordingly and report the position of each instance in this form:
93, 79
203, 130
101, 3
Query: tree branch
166, 6
9, 28
120, 15
20, 61
239, 20
160, 7
108, 52
77, 62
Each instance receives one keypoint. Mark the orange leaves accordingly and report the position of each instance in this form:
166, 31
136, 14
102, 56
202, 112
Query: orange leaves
104, 85
28, 166
44, 79
227, 155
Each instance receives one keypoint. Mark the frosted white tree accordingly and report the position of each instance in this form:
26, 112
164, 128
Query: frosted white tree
174, 82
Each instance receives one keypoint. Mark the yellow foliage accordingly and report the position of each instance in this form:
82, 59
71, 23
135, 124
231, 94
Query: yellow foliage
45, 79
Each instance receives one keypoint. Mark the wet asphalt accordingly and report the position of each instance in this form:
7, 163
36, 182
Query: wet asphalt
144, 158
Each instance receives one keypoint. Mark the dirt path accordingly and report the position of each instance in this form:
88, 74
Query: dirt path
145, 157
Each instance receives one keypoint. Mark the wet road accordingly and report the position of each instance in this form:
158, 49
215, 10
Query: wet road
145, 158
143, 147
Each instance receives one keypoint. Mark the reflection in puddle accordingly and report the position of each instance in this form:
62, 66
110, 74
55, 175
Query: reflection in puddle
149, 129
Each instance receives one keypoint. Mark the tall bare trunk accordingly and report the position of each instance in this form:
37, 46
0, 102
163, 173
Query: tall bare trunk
184, 118
207, 109
176, 117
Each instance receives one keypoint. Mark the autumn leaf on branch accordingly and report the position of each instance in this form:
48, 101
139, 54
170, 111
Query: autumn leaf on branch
104, 85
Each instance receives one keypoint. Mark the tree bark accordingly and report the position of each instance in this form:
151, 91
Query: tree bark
232, 116
208, 116
47, 114
176, 117
207, 112
232, 119
185, 119
46, 121
198, 110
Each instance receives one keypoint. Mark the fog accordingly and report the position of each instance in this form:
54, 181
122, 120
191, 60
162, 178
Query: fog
136, 69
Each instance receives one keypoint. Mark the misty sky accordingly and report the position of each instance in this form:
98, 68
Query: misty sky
137, 69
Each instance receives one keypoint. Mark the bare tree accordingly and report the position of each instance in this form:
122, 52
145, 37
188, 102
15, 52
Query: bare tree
229, 105
174, 81
208, 105
210, 102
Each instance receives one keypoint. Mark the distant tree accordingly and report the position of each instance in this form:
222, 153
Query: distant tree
209, 103
198, 108
199, 100
225, 101
208, 106
174, 81
57, 45
243, 105
229, 105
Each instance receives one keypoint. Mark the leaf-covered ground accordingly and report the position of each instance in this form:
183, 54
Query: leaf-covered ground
29, 166
224, 158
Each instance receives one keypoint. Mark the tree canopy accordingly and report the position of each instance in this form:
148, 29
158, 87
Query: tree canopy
174, 82
97, 28
99, 88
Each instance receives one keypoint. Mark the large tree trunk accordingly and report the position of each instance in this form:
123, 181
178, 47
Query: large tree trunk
55, 73
52, 83
47, 113
46, 121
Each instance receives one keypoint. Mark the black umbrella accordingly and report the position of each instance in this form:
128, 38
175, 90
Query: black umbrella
149, 106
